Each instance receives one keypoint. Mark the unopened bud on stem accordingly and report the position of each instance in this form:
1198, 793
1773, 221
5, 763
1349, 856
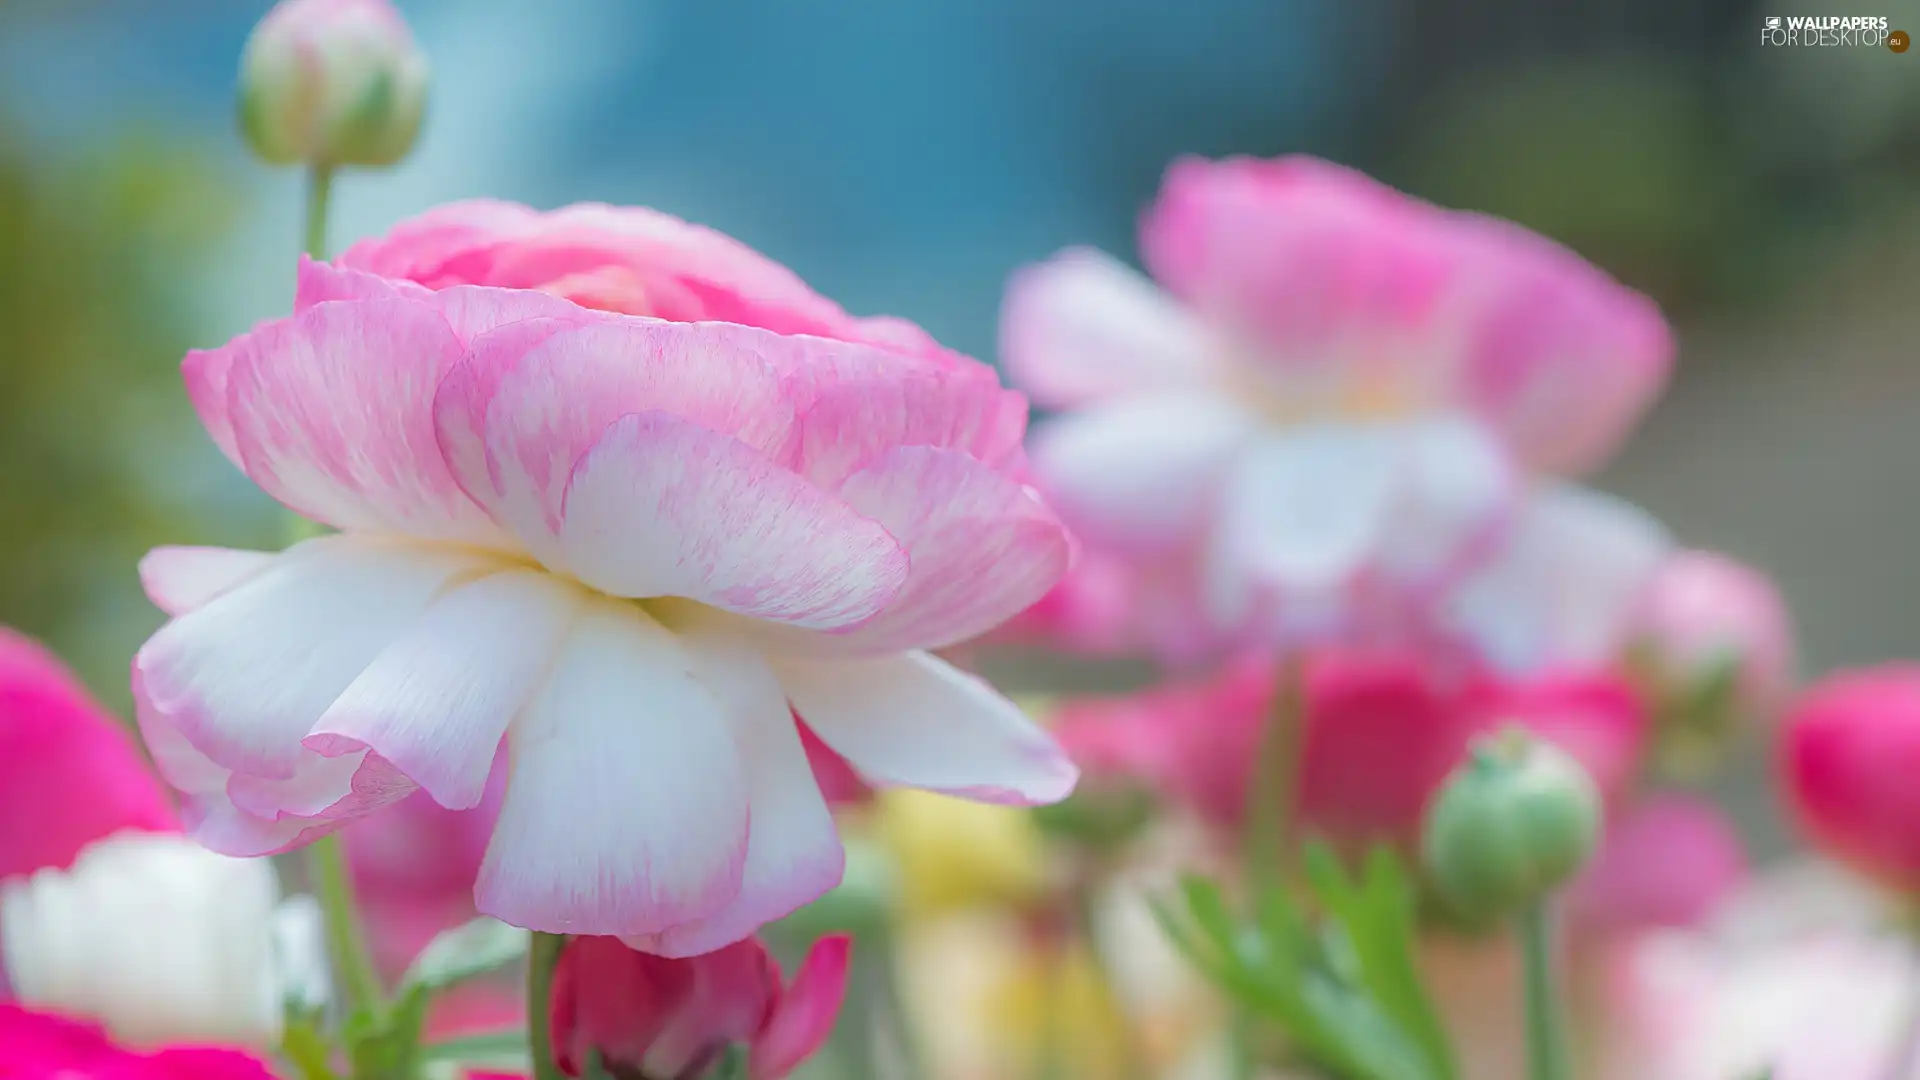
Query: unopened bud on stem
1518, 819
332, 82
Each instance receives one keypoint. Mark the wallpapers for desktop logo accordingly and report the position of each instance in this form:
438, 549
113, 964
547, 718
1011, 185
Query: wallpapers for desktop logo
1833, 31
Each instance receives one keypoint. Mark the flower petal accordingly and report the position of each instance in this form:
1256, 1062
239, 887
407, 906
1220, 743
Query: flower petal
1562, 587
437, 701
332, 416
247, 676
793, 848
626, 808
1301, 515
981, 548
663, 507
806, 1012
179, 579
1458, 488
1141, 476
914, 721
1082, 327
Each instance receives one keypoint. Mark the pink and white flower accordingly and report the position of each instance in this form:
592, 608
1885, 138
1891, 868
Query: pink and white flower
1329, 418
633, 548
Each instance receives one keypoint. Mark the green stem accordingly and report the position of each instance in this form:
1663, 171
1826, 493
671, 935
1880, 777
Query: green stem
1268, 829
543, 953
319, 196
352, 964
1546, 1035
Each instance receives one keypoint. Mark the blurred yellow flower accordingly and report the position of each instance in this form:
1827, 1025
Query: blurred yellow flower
953, 854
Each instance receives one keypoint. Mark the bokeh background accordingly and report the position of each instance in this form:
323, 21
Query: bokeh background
904, 157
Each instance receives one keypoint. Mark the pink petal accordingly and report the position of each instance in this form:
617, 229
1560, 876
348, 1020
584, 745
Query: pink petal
1668, 861
538, 401
981, 548
179, 579
626, 809
317, 283
662, 507
807, 1011
1141, 476
1082, 328
417, 247
793, 848
68, 773
332, 416
247, 676
913, 721
438, 700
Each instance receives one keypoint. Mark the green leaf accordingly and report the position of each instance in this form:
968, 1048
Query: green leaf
500, 1049
472, 949
306, 1050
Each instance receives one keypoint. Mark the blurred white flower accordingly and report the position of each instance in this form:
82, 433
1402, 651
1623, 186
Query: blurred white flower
159, 940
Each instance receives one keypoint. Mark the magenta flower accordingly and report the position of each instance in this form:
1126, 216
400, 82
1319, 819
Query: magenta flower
1328, 422
1848, 755
1383, 730
661, 1019
69, 774
632, 547
40, 1045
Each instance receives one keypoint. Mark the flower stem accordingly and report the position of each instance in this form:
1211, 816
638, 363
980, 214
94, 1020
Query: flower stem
1268, 829
352, 964
543, 953
319, 196
1546, 1035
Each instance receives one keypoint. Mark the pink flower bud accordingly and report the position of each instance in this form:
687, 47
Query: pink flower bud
661, 1019
332, 82
1706, 618
1848, 756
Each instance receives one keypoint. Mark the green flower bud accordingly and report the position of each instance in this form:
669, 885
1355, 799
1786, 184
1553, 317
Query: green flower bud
1515, 821
332, 82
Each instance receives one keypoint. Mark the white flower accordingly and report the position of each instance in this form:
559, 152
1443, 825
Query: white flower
155, 937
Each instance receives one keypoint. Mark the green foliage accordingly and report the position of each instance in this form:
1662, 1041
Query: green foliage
1335, 977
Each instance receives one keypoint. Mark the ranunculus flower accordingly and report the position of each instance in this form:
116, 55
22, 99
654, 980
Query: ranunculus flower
37, 1045
69, 773
155, 937
634, 548
1328, 423
1849, 753
660, 1019
1718, 644
1382, 731
1668, 860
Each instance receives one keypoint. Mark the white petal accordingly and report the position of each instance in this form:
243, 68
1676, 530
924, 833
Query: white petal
1302, 514
1141, 475
1457, 487
437, 702
793, 848
1560, 589
626, 807
179, 579
1083, 327
914, 721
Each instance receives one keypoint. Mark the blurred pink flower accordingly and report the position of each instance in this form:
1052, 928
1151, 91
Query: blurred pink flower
69, 772
1325, 428
38, 1046
1849, 755
1383, 730
653, 1017
799, 519
1667, 860
1703, 613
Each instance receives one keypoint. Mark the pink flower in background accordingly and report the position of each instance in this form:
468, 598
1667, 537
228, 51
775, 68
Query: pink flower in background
37, 1046
414, 868
1668, 860
1327, 422
1383, 730
1849, 756
69, 773
633, 548
654, 1017
1704, 614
